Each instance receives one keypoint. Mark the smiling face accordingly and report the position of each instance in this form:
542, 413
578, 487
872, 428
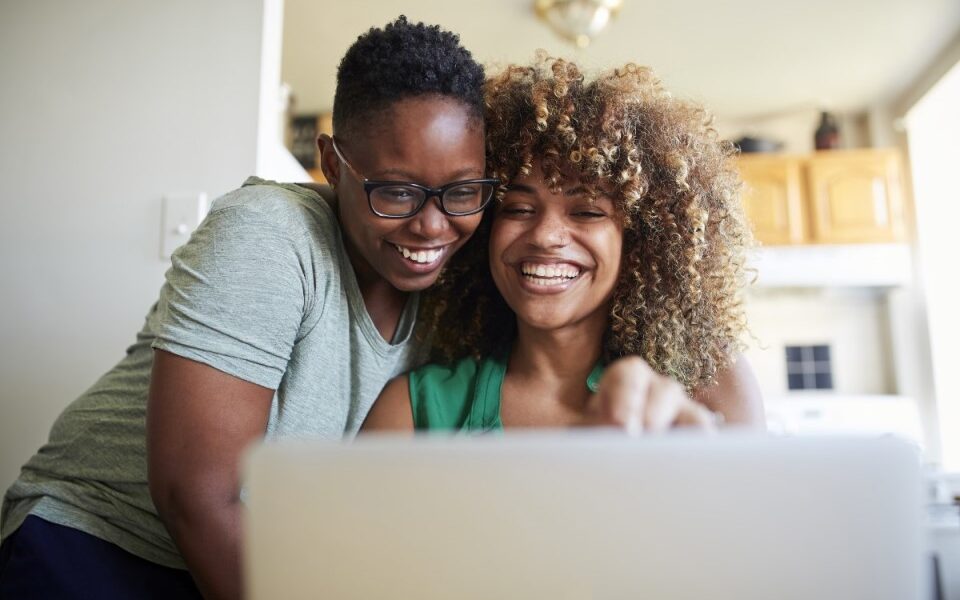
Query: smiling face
555, 256
428, 140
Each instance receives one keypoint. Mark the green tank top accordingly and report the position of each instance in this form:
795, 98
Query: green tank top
464, 396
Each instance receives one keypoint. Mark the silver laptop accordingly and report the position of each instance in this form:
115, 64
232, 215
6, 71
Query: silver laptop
587, 515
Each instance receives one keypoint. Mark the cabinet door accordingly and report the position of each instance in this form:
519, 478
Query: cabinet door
856, 196
773, 198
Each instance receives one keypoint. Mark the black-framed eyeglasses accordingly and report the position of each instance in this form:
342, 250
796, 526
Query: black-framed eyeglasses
402, 199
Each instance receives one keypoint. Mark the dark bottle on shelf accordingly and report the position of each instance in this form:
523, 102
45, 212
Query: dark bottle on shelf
827, 136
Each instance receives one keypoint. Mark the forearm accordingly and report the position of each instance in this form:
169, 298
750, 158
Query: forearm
209, 537
735, 395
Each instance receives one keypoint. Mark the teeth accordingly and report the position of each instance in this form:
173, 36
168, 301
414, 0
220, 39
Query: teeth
419, 256
546, 281
549, 274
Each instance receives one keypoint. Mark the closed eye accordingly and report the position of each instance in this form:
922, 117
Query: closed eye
590, 214
516, 210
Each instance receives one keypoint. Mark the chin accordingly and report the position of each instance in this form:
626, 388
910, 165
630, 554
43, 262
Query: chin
414, 284
546, 322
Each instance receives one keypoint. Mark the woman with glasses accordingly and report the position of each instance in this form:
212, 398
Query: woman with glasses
604, 287
284, 315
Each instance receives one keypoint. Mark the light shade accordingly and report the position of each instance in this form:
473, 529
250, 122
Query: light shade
577, 20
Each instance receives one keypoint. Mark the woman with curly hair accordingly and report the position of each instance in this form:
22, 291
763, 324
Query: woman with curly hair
604, 287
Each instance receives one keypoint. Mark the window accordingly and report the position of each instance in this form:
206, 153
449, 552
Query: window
809, 368
933, 126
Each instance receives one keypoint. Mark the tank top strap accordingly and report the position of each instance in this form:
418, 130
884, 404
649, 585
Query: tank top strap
485, 413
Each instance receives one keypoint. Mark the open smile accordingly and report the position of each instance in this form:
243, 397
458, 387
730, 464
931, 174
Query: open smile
552, 277
421, 256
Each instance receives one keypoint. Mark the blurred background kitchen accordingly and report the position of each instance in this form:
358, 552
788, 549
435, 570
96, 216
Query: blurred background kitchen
120, 120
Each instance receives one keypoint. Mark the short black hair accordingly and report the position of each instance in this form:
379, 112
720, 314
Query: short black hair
404, 60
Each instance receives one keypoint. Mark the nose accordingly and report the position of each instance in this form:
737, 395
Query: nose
430, 222
549, 231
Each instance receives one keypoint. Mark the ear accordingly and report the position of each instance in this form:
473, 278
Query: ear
329, 163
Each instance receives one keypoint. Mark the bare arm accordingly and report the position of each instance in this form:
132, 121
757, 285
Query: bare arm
736, 395
199, 421
392, 409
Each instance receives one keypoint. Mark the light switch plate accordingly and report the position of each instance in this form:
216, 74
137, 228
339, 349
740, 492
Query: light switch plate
182, 213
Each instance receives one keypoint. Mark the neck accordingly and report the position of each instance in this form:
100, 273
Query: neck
545, 383
562, 354
384, 303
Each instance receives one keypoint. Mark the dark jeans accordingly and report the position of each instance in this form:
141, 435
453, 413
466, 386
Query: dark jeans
45, 560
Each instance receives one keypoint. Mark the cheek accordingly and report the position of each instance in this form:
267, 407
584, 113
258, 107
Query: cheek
501, 236
611, 249
466, 226
372, 226
352, 213
616, 255
496, 249
368, 228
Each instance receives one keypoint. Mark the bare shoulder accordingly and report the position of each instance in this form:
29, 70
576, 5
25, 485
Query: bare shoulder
391, 411
735, 395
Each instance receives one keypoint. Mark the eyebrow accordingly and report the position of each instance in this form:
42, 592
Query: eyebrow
465, 173
574, 191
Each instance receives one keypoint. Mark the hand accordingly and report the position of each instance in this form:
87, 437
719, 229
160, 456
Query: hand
635, 398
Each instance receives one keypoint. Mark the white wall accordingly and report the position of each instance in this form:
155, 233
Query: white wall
852, 321
104, 107
794, 128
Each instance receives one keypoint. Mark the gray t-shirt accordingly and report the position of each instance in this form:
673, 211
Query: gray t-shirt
263, 291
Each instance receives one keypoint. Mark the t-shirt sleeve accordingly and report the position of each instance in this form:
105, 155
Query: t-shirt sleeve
236, 294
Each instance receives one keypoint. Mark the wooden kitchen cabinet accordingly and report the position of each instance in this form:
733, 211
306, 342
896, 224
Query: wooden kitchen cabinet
830, 197
773, 198
856, 196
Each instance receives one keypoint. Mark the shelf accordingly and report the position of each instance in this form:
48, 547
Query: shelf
847, 265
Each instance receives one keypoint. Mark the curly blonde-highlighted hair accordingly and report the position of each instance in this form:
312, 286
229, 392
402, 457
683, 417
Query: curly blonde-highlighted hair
677, 302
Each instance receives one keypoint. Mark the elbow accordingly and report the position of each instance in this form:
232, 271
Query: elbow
169, 498
182, 502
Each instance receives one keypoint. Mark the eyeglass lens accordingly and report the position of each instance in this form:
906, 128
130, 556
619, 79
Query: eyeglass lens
402, 200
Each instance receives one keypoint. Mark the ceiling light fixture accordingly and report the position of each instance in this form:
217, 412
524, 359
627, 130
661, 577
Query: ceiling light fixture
577, 20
